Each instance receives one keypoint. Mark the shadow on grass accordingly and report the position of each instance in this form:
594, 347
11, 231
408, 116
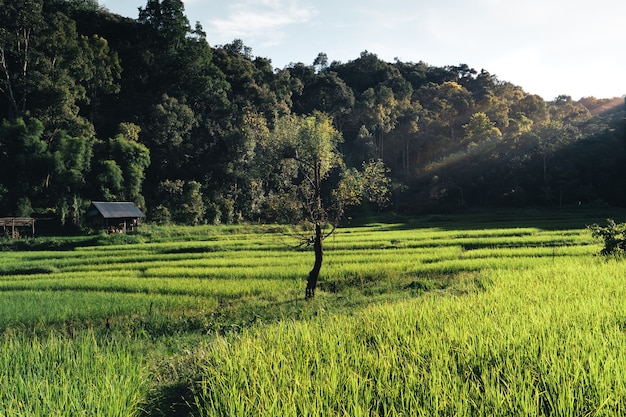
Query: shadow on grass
47, 243
172, 400
176, 397
544, 218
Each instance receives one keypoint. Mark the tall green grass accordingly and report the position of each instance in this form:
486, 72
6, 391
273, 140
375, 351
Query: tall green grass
56, 376
40, 309
543, 341
430, 317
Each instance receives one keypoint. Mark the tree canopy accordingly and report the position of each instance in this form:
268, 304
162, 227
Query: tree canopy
97, 106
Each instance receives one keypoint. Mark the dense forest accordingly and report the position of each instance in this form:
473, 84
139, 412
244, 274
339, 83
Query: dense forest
95, 106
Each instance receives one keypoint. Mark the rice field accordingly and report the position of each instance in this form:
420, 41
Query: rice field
426, 318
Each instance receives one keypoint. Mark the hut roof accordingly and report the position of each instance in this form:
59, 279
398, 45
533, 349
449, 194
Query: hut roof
115, 210
17, 221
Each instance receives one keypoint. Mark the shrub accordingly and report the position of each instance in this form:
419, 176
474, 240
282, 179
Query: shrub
614, 236
161, 215
119, 239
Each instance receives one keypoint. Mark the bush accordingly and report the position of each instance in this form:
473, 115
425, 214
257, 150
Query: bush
161, 215
119, 239
614, 236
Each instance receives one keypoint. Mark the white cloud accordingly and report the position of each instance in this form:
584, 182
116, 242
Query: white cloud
547, 47
262, 20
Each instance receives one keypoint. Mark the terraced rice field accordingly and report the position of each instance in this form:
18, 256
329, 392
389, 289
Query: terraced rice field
420, 318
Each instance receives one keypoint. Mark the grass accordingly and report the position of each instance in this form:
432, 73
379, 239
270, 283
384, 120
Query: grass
56, 376
548, 340
462, 315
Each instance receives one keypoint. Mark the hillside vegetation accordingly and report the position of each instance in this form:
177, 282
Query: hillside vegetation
95, 106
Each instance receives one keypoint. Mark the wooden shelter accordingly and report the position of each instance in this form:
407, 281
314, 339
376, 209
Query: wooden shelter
14, 224
116, 217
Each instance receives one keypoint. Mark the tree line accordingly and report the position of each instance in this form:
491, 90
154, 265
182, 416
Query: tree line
95, 106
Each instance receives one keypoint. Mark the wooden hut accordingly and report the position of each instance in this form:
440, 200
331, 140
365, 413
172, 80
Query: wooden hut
115, 217
12, 225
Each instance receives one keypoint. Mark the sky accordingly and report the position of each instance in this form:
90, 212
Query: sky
547, 47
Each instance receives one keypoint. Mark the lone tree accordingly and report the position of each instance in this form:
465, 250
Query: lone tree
309, 179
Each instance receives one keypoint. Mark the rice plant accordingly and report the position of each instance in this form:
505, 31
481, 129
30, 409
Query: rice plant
56, 376
546, 340
423, 318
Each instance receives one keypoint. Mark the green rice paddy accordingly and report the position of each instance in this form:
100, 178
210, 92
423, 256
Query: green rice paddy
466, 316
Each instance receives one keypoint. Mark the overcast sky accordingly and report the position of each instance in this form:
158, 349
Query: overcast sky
548, 47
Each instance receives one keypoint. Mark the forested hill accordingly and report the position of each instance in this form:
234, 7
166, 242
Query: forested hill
95, 106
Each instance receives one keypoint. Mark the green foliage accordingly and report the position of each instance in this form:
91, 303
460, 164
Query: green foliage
306, 151
118, 239
124, 165
168, 19
72, 163
193, 206
455, 136
613, 235
161, 215
481, 129
376, 182
111, 180
24, 207
183, 203
371, 183
23, 161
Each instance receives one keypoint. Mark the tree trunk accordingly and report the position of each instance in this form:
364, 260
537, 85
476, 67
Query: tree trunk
315, 272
